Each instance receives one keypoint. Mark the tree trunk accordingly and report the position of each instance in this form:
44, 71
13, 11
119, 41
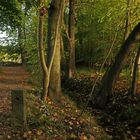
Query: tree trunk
64, 65
127, 23
71, 30
135, 71
54, 90
23, 53
110, 77
20, 42
21, 36
45, 78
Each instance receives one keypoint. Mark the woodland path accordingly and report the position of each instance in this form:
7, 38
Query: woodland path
11, 78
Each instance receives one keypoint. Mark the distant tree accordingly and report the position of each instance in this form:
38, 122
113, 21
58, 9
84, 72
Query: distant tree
71, 32
127, 22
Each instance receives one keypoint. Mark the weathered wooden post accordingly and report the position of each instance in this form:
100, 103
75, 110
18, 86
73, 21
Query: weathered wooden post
18, 108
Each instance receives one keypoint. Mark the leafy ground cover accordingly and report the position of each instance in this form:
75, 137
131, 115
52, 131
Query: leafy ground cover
120, 118
11, 78
44, 120
61, 121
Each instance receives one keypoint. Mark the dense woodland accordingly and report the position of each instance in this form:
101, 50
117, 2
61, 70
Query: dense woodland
81, 59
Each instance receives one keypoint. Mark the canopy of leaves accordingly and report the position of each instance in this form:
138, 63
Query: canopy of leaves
10, 14
98, 24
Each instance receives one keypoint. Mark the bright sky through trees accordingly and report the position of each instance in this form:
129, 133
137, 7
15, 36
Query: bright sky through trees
2, 34
2, 37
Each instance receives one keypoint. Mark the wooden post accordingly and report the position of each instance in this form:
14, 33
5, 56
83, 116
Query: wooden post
18, 108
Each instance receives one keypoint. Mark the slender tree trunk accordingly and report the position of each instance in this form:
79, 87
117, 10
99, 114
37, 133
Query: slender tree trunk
135, 71
64, 66
21, 44
71, 30
20, 41
127, 22
22, 37
23, 53
54, 90
51, 71
110, 77
45, 78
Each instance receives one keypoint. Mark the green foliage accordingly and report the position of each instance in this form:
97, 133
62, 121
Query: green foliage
98, 22
10, 52
10, 13
52, 121
29, 42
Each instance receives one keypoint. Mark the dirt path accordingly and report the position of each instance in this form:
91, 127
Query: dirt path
11, 78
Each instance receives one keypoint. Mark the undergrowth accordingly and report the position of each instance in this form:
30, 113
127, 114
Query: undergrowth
51, 121
120, 117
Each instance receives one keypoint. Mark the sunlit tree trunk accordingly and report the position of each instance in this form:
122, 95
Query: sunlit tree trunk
23, 53
127, 22
22, 36
21, 44
54, 89
71, 31
110, 77
45, 78
51, 70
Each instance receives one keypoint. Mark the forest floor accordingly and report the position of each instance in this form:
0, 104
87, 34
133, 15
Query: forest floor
119, 120
11, 78
45, 121
120, 117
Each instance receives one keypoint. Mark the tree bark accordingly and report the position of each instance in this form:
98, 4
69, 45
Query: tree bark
127, 22
135, 71
45, 78
71, 31
110, 77
22, 36
64, 65
54, 89
20, 42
